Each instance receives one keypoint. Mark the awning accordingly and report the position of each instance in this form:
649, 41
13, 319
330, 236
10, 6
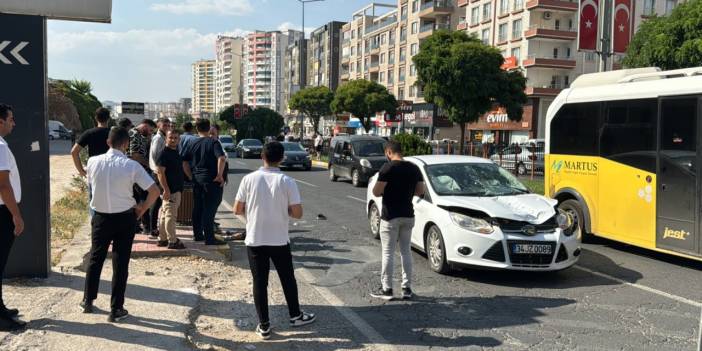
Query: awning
354, 123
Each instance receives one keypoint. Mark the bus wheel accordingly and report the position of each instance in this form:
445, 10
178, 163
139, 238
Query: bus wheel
573, 208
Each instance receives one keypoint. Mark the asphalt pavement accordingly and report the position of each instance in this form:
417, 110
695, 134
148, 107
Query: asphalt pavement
616, 297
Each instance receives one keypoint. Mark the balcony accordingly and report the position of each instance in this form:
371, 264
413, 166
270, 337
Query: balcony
433, 9
374, 67
429, 28
461, 3
549, 62
462, 24
542, 91
552, 5
374, 49
550, 33
385, 22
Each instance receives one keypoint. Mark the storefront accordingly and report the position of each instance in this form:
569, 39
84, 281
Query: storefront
495, 126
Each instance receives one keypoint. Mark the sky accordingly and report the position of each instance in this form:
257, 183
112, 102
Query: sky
146, 52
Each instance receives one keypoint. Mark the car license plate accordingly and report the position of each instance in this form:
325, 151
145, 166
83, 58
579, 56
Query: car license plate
531, 249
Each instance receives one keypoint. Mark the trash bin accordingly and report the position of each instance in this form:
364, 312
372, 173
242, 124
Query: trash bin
185, 211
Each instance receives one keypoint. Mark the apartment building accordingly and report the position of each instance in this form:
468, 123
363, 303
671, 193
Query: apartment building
156, 110
264, 60
294, 70
203, 88
324, 56
378, 44
228, 88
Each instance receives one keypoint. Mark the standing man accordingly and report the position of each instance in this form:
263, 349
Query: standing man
268, 198
158, 143
11, 222
187, 136
171, 177
95, 139
318, 140
139, 151
398, 182
207, 174
112, 177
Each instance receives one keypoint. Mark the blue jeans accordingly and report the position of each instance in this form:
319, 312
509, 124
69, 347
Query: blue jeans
206, 200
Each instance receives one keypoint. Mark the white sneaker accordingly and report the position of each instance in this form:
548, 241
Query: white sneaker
265, 334
303, 319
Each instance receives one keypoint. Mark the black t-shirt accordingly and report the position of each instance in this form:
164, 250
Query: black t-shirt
96, 141
171, 160
203, 153
401, 178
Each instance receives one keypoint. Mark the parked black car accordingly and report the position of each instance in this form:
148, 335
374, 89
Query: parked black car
249, 148
296, 156
357, 157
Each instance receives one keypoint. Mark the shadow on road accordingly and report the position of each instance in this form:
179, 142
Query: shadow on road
595, 242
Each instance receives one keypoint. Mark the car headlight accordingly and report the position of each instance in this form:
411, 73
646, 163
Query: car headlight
366, 163
473, 224
247, 149
565, 222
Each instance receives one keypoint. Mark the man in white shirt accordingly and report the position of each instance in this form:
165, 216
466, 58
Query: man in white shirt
318, 141
267, 199
11, 222
112, 177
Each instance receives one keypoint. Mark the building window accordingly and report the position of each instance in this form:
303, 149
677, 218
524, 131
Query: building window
391, 57
353, 34
382, 39
382, 58
669, 6
415, 6
382, 77
403, 12
518, 4
413, 49
504, 7
503, 53
589, 56
401, 94
391, 77
475, 15
649, 7
403, 34
486, 11
516, 53
516, 29
412, 91
502, 33
391, 37
413, 71
402, 55
485, 36
402, 74
415, 25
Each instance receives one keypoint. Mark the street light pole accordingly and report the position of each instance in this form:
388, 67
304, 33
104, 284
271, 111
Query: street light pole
300, 75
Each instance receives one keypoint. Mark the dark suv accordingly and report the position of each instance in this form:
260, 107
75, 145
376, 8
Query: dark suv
357, 157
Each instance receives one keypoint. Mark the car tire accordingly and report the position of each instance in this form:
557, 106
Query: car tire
374, 221
436, 251
521, 169
332, 175
356, 178
51, 137
574, 208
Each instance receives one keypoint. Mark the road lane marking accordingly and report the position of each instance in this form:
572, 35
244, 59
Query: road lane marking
355, 198
227, 206
642, 287
306, 183
699, 341
241, 163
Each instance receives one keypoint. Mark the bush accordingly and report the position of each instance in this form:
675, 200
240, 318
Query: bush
412, 144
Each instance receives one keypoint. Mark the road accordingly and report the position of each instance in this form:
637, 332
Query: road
616, 297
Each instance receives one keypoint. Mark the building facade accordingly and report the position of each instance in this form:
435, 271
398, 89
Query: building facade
324, 56
228, 88
264, 56
156, 110
203, 88
294, 71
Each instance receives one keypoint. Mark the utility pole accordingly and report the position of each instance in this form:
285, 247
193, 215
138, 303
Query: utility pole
301, 42
605, 51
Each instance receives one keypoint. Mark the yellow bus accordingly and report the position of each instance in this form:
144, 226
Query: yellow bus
622, 150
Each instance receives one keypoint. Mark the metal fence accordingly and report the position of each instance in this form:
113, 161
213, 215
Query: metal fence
521, 159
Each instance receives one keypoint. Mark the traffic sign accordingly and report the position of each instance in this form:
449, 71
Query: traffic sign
77, 10
15, 52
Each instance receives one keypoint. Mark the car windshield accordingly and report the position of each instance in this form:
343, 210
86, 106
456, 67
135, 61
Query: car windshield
366, 148
226, 139
292, 147
251, 142
473, 179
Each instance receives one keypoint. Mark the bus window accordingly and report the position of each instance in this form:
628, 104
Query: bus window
573, 126
628, 134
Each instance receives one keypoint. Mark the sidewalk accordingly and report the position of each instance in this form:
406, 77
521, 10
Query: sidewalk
202, 301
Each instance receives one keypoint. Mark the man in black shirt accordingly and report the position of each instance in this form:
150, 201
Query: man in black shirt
207, 174
171, 177
398, 182
95, 139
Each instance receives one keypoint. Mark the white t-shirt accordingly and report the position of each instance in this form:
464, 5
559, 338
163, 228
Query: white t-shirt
7, 163
267, 194
112, 177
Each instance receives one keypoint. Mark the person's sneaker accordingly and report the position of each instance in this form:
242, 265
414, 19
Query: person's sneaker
153, 234
407, 293
303, 319
9, 312
118, 315
8, 324
162, 243
178, 245
382, 294
264, 331
216, 242
87, 306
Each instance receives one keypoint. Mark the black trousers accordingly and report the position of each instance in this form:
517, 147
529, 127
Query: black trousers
260, 258
117, 229
7, 238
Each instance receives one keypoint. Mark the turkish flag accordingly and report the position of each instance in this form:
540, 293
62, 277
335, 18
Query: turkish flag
587, 31
621, 26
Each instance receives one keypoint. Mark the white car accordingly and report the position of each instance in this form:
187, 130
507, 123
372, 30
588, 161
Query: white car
476, 214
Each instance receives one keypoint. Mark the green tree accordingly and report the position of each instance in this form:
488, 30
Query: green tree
412, 144
257, 124
670, 42
181, 118
363, 99
80, 93
314, 102
463, 76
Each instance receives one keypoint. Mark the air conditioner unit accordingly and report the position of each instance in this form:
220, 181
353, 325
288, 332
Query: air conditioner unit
547, 15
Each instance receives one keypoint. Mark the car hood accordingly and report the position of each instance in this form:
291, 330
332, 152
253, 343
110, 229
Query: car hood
295, 153
376, 161
252, 147
531, 208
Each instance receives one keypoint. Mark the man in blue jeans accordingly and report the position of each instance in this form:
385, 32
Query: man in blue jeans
207, 174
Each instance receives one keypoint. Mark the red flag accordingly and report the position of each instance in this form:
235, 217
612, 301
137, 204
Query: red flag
621, 26
589, 17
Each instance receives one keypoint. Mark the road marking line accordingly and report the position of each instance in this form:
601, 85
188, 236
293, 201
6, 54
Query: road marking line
642, 287
241, 163
699, 342
227, 206
306, 183
377, 340
355, 198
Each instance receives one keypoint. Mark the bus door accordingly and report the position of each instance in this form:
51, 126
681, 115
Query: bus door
678, 201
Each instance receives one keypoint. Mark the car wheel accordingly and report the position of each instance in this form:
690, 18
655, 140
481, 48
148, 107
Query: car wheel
356, 178
51, 137
374, 221
332, 175
575, 210
436, 251
521, 169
